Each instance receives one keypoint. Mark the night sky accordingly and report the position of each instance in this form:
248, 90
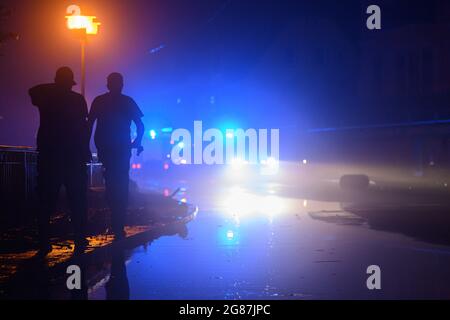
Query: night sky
248, 63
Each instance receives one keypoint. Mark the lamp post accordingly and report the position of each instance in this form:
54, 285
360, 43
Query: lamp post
84, 25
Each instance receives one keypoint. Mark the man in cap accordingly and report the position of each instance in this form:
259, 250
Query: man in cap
63, 145
114, 113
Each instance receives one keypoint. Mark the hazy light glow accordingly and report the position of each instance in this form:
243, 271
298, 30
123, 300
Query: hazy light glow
272, 162
237, 169
238, 202
76, 21
237, 163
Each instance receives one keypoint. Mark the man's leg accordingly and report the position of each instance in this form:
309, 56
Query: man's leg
76, 186
121, 202
48, 184
116, 183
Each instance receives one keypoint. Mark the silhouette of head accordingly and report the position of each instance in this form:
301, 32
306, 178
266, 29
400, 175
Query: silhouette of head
115, 82
64, 77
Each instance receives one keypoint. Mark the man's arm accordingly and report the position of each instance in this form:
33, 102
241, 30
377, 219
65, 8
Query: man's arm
136, 115
137, 143
40, 94
92, 117
86, 134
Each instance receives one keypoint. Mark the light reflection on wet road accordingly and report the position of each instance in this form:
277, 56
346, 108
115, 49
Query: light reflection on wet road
247, 245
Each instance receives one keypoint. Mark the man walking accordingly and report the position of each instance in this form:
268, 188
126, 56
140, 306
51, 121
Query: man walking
63, 146
114, 113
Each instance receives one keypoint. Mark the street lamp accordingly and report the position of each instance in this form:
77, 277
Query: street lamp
85, 25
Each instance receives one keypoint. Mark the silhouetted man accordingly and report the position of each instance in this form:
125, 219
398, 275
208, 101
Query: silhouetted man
114, 113
63, 145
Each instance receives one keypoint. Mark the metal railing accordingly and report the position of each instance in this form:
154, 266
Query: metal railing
17, 184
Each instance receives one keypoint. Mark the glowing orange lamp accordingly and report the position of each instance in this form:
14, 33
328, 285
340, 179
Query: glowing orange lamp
87, 25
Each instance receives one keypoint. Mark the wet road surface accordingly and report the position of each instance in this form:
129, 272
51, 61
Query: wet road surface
253, 242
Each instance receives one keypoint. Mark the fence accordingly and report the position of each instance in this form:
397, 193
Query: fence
17, 185
18, 182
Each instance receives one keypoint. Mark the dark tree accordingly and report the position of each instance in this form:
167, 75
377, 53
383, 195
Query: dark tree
5, 36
